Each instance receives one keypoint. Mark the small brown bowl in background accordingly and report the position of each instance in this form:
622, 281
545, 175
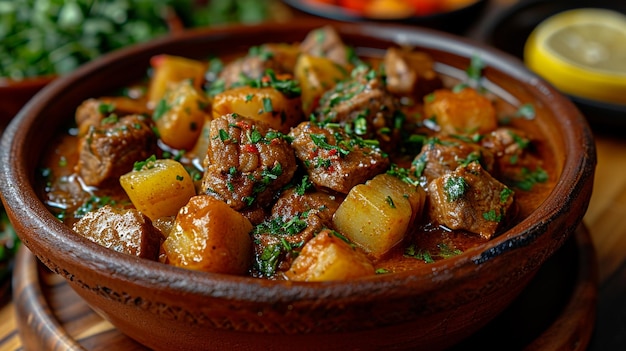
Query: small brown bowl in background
14, 94
165, 308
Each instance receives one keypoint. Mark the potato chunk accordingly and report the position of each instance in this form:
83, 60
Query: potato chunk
160, 188
262, 104
327, 257
180, 115
465, 111
170, 69
316, 75
210, 236
377, 215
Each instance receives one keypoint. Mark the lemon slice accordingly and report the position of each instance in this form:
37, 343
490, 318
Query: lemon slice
582, 52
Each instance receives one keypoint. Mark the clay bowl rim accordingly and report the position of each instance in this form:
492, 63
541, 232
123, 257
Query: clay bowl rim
30, 215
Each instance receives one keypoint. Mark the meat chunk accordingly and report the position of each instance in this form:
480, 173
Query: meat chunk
326, 42
470, 199
296, 218
335, 160
512, 149
362, 104
123, 230
410, 73
92, 111
443, 155
254, 65
465, 111
247, 162
110, 148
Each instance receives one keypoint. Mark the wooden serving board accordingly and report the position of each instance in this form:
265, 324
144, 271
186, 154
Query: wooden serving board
555, 312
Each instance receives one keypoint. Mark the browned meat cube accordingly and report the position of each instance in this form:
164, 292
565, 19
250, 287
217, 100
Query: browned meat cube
362, 104
296, 218
443, 155
410, 73
513, 149
335, 160
325, 42
465, 111
123, 230
470, 199
92, 111
254, 65
110, 148
247, 162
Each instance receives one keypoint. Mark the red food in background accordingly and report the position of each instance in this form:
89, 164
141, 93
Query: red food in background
394, 8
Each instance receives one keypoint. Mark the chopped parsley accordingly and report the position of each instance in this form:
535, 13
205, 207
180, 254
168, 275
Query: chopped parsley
419, 254
527, 179
390, 202
492, 216
304, 185
160, 110
224, 136
93, 204
267, 262
473, 156
216, 87
445, 251
146, 164
526, 111
475, 69
288, 87
268, 175
320, 141
112, 118
267, 105
106, 108
455, 188
279, 227
505, 193
261, 52
403, 174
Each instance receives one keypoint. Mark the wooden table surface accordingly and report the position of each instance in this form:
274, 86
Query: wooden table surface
605, 219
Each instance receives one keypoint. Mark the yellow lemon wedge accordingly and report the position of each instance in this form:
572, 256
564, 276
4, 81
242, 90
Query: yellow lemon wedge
582, 52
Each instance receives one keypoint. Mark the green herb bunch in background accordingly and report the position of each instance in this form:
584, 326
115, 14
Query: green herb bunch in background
47, 37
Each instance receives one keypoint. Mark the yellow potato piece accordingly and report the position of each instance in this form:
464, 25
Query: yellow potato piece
262, 104
465, 111
210, 236
377, 215
180, 115
170, 69
327, 257
316, 75
159, 189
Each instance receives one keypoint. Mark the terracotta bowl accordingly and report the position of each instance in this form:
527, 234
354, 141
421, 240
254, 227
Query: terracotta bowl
169, 308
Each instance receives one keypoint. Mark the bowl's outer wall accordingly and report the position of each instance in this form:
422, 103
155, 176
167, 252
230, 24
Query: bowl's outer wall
165, 307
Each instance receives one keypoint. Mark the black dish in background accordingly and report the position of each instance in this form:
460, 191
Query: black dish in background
509, 30
455, 21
